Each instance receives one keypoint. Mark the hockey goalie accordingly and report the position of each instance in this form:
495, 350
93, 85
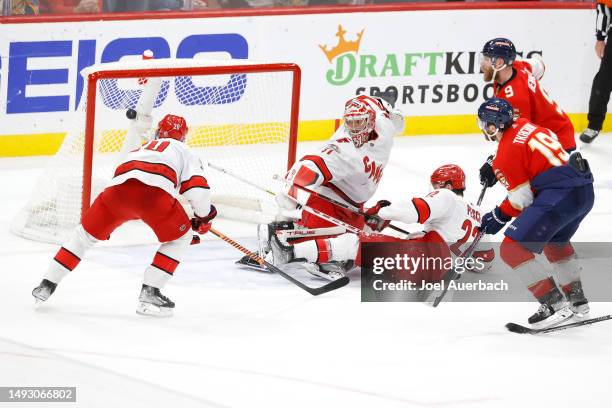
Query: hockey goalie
346, 169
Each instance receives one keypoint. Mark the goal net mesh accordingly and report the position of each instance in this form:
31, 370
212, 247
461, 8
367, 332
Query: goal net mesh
241, 122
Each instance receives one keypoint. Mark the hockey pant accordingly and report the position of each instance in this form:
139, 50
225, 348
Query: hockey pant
132, 200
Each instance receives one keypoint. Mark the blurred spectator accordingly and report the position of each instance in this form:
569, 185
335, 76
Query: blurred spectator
118, 6
70, 6
24, 7
182, 4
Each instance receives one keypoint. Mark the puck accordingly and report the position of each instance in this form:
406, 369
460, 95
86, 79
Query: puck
131, 113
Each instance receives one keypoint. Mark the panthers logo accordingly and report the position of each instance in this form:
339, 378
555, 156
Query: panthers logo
501, 178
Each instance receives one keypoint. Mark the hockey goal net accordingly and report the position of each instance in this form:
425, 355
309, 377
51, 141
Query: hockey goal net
242, 116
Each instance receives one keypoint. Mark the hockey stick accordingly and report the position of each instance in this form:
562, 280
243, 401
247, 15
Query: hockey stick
517, 328
237, 177
335, 284
345, 206
451, 275
306, 208
481, 196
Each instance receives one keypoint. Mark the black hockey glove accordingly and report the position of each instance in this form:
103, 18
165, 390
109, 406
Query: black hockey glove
487, 175
493, 221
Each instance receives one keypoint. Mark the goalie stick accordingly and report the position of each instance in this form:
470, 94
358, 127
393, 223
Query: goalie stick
345, 206
517, 328
306, 208
335, 284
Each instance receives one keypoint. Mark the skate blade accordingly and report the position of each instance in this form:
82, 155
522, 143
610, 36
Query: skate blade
312, 269
578, 317
560, 316
38, 303
249, 263
148, 309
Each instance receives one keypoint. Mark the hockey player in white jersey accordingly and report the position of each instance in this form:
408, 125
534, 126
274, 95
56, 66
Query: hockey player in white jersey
347, 169
445, 215
145, 187
443, 211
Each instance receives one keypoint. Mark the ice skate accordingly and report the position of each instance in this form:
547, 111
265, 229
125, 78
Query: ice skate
281, 253
333, 270
42, 292
551, 314
153, 303
266, 231
249, 262
589, 135
578, 302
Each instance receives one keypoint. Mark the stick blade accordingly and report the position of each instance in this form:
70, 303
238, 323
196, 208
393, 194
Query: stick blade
517, 328
333, 285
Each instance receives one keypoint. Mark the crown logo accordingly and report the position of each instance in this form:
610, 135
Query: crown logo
343, 45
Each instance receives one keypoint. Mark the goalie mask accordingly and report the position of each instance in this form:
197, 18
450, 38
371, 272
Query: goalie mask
494, 117
359, 120
172, 127
449, 173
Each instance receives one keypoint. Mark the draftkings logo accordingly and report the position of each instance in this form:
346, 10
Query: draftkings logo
412, 76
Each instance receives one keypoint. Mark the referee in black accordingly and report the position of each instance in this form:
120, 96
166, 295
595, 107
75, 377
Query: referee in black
602, 83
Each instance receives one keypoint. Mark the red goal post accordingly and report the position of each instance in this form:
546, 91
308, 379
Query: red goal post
94, 77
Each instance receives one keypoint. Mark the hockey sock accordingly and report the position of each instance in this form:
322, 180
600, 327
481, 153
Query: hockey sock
165, 262
529, 269
564, 262
70, 254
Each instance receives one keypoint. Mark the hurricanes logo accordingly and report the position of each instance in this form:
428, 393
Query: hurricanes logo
344, 56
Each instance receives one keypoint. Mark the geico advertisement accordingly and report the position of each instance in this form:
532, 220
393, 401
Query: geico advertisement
428, 60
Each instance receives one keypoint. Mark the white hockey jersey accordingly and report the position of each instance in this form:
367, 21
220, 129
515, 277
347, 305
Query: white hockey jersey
347, 173
444, 212
170, 165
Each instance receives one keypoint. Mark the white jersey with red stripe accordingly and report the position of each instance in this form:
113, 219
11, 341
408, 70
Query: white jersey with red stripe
442, 211
348, 173
170, 165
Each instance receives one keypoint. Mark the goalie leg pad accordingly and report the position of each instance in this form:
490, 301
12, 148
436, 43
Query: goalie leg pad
307, 233
341, 248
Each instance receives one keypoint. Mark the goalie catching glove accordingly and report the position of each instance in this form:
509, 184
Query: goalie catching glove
373, 220
202, 225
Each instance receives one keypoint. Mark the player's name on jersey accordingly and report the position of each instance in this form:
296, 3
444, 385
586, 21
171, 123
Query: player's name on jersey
408, 285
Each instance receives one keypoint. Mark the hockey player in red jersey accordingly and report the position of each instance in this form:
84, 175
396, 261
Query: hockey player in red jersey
144, 187
347, 169
517, 81
549, 193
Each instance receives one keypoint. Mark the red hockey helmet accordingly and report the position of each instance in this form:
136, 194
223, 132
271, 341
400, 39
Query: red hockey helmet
172, 127
359, 120
449, 173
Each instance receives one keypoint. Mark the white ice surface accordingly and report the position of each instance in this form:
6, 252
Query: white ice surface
245, 339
